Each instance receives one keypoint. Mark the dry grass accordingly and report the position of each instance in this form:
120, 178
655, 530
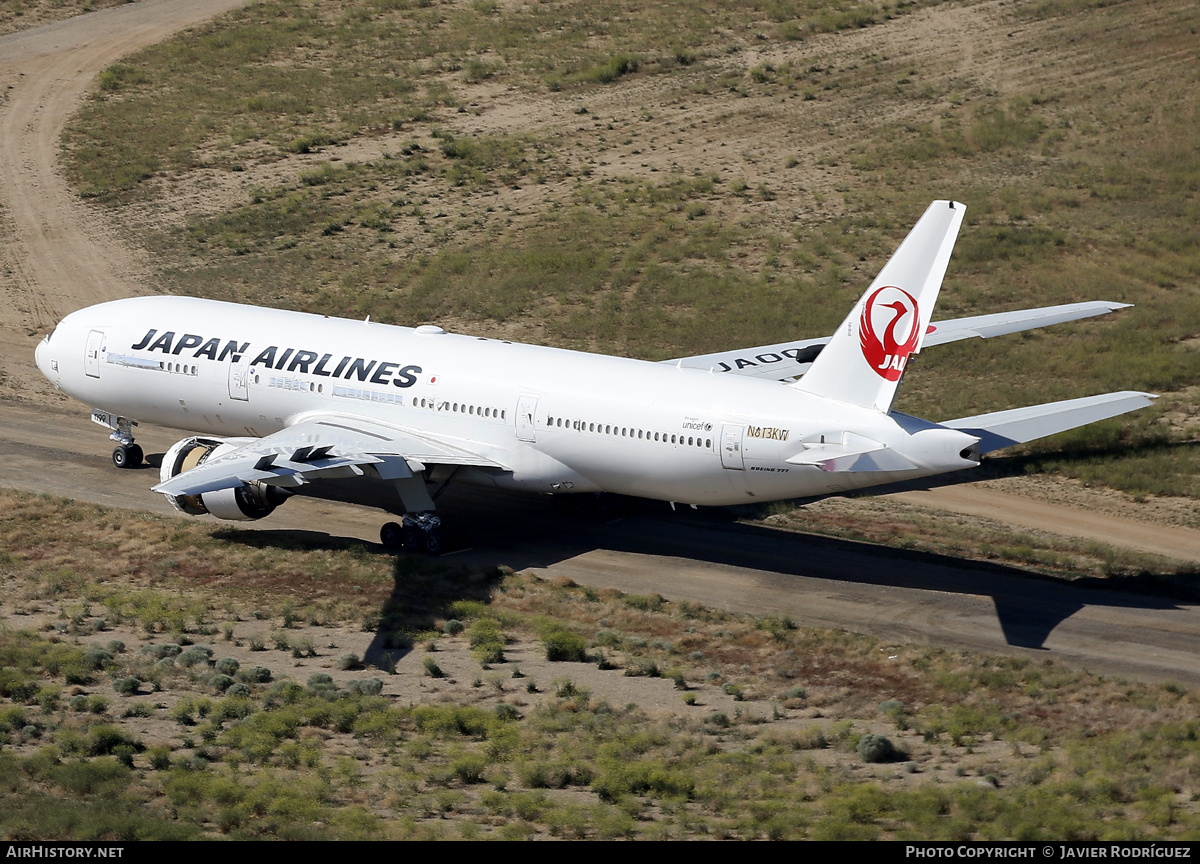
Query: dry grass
730, 726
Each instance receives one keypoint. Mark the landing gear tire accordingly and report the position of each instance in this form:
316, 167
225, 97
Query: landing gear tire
127, 456
391, 536
421, 532
435, 542
412, 538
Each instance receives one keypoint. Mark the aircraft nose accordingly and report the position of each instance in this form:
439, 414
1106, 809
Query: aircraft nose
41, 356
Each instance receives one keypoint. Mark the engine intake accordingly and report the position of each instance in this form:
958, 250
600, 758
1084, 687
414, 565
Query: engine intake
241, 503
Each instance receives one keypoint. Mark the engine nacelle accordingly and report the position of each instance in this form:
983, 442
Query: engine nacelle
241, 503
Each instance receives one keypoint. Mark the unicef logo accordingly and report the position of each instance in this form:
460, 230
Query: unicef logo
888, 330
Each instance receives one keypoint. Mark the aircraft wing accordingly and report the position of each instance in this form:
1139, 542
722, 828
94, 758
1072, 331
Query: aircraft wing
780, 362
1003, 323
328, 446
785, 361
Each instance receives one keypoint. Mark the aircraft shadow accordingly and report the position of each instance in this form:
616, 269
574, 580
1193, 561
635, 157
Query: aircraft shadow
1000, 467
1028, 606
423, 588
527, 532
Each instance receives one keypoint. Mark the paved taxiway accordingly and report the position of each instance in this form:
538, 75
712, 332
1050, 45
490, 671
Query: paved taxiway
706, 557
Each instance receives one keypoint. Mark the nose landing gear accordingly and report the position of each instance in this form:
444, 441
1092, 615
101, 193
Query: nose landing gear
127, 454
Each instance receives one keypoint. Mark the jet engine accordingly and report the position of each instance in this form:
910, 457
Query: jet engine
240, 503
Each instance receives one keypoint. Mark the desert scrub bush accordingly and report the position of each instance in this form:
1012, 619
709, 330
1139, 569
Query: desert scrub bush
221, 683
346, 662
96, 659
90, 777
452, 627
610, 70
185, 711
105, 739
255, 675
432, 669
138, 709
893, 709
794, 697
160, 757
48, 699
542, 774
650, 777
446, 720
195, 656
161, 650
641, 667
366, 686
304, 647
645, 602
284, 692
232, 707
13, 717
876, 748
470, 768
227, 666
487, 641
127, 686
564, 645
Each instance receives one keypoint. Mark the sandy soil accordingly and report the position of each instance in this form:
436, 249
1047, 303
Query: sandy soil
58, 255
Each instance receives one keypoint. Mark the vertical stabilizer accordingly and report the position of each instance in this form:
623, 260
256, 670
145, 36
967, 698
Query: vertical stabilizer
864, 360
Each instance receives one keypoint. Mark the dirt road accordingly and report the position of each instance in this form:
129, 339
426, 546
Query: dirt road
58, 255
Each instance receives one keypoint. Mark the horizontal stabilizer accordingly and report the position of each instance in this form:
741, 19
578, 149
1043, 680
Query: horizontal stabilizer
1018, 425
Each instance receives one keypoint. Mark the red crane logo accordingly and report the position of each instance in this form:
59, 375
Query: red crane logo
893, 311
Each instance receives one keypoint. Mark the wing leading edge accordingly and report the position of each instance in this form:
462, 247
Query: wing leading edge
329, 446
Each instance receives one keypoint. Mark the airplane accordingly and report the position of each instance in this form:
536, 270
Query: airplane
278, 402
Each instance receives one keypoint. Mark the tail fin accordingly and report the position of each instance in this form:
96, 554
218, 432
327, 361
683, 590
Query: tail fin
864, 360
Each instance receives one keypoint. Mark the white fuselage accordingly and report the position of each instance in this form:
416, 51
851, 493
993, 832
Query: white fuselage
558, 421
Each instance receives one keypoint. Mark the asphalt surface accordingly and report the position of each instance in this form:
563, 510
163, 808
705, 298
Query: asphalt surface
703, 556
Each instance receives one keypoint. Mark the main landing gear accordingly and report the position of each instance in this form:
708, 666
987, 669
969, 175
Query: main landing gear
420, 532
